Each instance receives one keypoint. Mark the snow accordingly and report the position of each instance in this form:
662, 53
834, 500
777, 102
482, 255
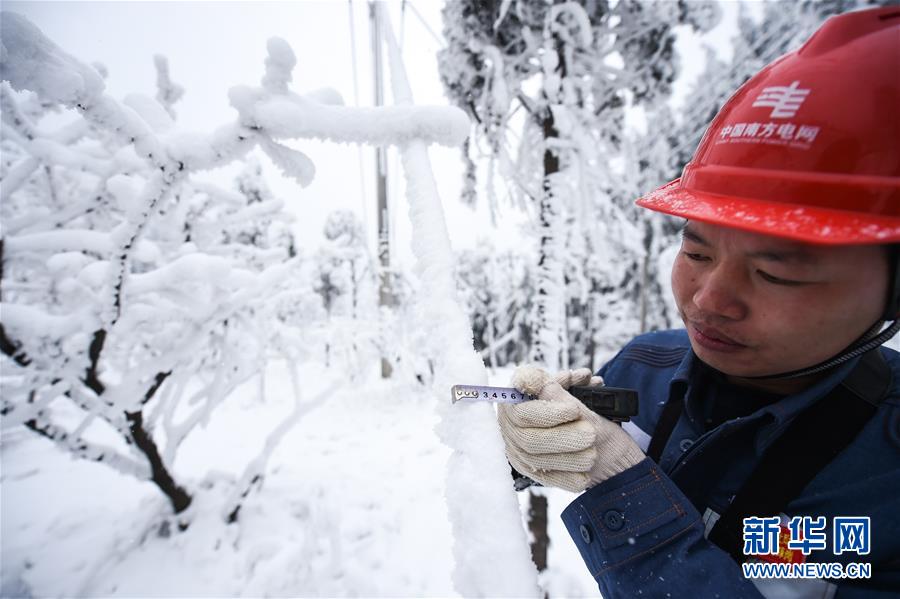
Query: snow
36, 63
575, 12
279, 64
53, 153
387, 125
17, 175
353, 504
168, 92
201, 322
149, 109
292, 163
75, 239
480, 500
31, 61
126, 190
337, 516
30, 322
309, 474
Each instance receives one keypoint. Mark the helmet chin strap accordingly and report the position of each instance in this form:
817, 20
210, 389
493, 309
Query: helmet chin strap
874, 337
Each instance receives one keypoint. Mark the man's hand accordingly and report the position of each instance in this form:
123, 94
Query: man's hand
555, 440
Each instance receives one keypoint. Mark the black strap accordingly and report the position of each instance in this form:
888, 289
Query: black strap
812, 440
665, 425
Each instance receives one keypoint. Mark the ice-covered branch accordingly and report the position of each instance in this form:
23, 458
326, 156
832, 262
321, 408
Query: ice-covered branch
12, 349
279, 64
8, 346
31, 61
86, 450
91, 376
67, 240
265, 114
298, 117
25, 321
17, 175
167, 91
12, 116
255, 470
574, 12
143, 297
158, 472
488, 511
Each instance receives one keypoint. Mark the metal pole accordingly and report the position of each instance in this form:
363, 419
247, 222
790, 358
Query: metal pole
385, 292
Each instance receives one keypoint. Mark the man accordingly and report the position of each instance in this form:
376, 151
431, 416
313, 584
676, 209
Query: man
772, 421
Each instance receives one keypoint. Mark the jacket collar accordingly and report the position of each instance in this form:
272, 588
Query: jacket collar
780, 413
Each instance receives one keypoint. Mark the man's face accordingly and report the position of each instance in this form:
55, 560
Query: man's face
755, 305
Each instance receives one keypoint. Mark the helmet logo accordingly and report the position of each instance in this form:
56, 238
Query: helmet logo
785, 101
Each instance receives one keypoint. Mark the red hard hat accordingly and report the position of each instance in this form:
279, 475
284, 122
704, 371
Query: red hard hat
809, 147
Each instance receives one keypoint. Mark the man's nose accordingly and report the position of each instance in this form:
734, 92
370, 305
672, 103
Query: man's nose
720, 293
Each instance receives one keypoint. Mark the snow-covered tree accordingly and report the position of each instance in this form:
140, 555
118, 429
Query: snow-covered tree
556, 78
127, 304
122, 289
346, 252
345, 281
489, 510
473, 274
145, 272
497, 290
266, 232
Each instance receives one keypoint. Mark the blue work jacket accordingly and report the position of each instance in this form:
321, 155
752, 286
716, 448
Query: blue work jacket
642, 533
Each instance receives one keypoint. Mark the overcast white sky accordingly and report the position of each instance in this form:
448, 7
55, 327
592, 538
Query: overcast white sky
212, 46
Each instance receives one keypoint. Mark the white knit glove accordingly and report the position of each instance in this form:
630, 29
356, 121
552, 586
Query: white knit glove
555, 440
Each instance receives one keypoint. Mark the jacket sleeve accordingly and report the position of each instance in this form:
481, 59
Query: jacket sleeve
640, 536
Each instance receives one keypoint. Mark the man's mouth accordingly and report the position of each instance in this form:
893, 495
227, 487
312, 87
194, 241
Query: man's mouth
712, 338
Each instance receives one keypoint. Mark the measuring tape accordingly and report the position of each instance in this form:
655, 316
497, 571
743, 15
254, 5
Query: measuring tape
486, 393
613, 403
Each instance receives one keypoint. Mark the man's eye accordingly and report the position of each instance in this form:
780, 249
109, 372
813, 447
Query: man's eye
778, 280
695, 257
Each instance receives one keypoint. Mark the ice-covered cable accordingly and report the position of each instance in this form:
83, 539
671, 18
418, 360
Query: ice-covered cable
484, 511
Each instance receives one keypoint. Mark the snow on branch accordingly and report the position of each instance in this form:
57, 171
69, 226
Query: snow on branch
299, 117
146, 298
254, 473
87, 450
487, 511
573, 11
28, 321
578, 70
279, 64
124, 282
267, 113
168, 92
29, 60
